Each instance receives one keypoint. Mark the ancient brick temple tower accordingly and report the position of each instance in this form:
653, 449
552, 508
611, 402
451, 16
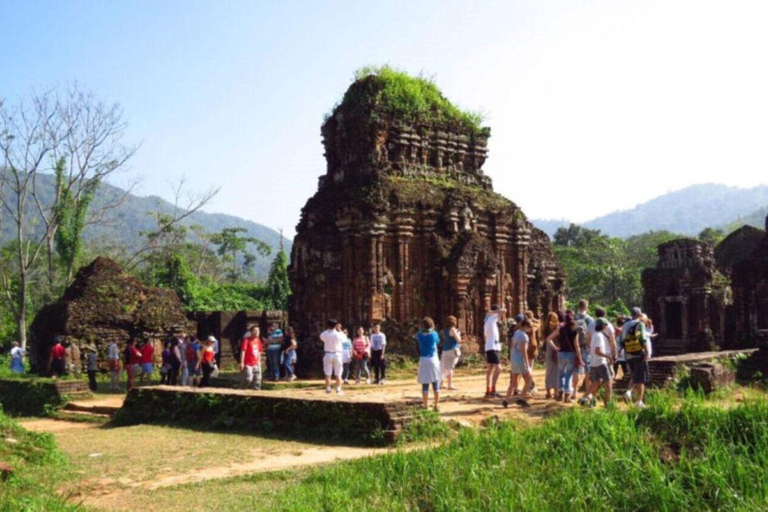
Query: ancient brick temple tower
405, 224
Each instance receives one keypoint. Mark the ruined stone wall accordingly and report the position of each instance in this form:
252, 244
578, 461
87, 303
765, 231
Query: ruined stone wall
686, 297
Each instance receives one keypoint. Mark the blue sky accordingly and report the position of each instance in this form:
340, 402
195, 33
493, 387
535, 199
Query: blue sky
581, 96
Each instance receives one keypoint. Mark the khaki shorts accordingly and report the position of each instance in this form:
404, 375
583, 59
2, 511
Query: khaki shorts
332, 364
251, 376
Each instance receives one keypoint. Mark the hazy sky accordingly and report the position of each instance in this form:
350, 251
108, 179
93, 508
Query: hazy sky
594, 105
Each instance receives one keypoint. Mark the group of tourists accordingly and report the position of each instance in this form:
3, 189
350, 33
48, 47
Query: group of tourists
579, 350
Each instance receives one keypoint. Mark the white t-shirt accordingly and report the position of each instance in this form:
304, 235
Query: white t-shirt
378, 341
112, 353
332, 340
599, 341
491, 331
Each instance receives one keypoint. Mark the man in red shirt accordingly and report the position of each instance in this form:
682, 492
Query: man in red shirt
250, 359
132, 360
58, 356
147, 361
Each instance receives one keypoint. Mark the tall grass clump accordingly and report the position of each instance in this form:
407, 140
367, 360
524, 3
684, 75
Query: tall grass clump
693, 458
38, 465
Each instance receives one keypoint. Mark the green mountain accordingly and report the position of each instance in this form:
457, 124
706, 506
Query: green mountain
685, 211
125, 224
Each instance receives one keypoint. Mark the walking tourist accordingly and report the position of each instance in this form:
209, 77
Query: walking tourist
131, 361
250, 360
378, 348
17, 358
113, 360
451, 351
274, 351
183, 342
518, 359
332, 339
346, 357
165, 363
91, 367
621, 360
58, 358
649, 333
551, 377
533, 346
147, 361
175, 360
192, 355
601, 358
492, 349
289, 353
568, 355
429, 364
361, 347
583, 321
206, 362
635, 343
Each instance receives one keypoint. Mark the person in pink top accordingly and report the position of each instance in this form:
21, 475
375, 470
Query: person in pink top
361, 347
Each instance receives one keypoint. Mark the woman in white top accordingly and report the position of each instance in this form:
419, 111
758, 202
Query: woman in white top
17, 358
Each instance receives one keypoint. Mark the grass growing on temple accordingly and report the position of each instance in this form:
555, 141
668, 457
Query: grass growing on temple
392, 93
693, 456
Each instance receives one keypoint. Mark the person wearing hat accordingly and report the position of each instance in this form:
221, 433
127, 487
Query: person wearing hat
600, 361
492, 349
91, 366
634, 341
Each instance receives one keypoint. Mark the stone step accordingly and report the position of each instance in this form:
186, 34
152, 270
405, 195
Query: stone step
100, 410
82, 415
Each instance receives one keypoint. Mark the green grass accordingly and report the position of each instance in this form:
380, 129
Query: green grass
390, 93
668, 457
38, 465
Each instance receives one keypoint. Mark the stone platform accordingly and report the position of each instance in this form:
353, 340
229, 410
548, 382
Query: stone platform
348, 418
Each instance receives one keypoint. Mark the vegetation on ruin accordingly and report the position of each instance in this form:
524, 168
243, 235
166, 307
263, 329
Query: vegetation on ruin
385, 93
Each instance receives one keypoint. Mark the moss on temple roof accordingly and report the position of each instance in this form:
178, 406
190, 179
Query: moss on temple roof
385, 93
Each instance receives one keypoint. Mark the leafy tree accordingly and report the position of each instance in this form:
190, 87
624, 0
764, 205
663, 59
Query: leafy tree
577, 236
278, 283
70, 213
712, 235
231, 245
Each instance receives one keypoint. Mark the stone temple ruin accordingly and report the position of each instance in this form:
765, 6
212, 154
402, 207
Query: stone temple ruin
102, 305
405, 224
701, 297
743, 256
687, 297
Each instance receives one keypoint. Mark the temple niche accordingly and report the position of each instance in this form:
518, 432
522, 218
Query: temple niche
743, 256
687, 298
405, 224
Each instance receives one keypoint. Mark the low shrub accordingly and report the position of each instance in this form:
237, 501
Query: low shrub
30, 397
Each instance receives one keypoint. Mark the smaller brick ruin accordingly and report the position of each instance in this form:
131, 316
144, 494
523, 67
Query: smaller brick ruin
743, 256
687, 298
102, 305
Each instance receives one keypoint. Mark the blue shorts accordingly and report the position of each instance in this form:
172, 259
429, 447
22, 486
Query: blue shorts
148, 368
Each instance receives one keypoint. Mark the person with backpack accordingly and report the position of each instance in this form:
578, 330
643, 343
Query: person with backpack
634, 340
583, 323
192, 355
